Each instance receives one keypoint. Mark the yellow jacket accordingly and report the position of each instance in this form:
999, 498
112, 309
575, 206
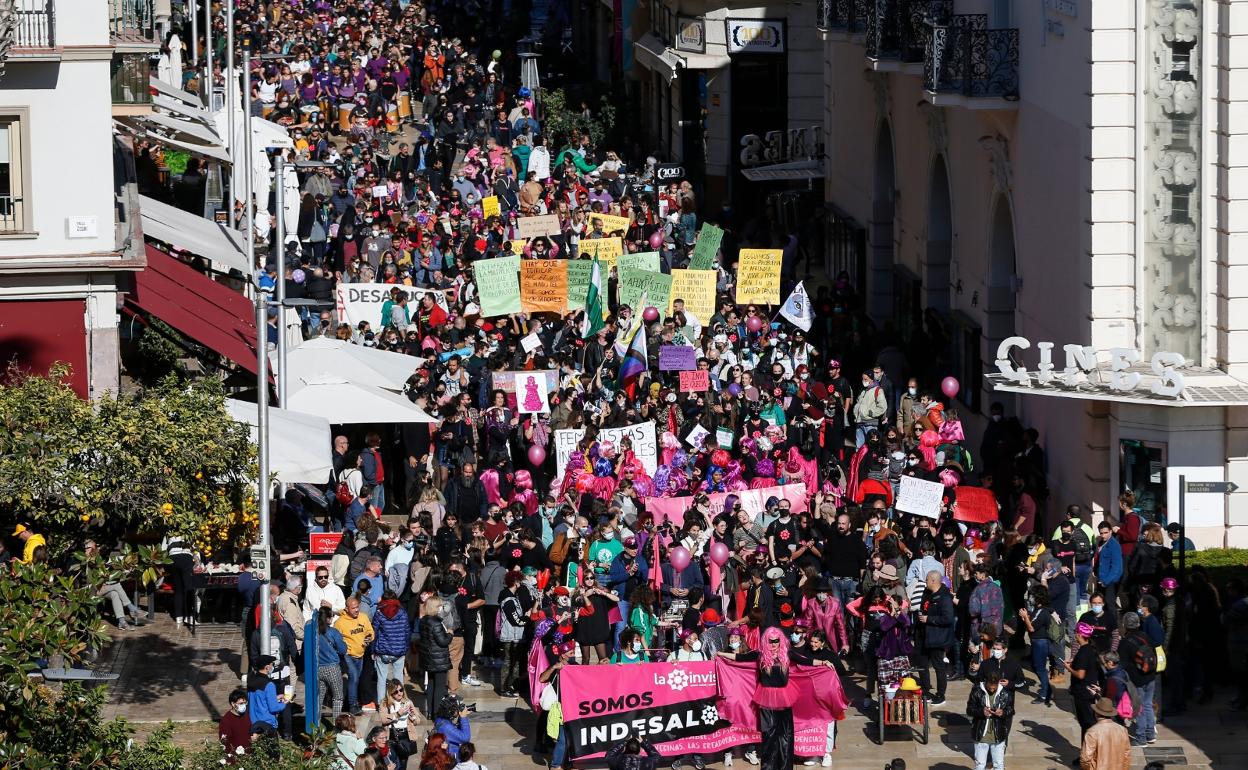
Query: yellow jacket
356, 632
28, 550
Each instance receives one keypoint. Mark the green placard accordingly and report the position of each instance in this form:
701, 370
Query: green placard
579, 272
634, 284
705, 248
642, 260
498, 285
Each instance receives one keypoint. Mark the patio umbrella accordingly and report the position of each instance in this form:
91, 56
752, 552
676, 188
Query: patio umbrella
341, 402
299, 444
358, 364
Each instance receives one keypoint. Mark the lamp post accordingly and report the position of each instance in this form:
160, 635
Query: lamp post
208, 52
194, 14
231, 86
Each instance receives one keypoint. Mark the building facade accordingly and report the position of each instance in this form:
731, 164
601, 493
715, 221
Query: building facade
67, 212
1069, 172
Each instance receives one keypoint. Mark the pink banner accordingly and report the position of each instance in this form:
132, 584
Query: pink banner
752, 500
683, 708
538, 663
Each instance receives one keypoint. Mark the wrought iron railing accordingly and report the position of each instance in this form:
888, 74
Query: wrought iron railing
35, 24
130, 79
134, 20
847, 15
10, 214
898, 30
823, 14
965, 57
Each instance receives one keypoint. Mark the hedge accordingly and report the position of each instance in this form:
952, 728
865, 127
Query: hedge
1223, 564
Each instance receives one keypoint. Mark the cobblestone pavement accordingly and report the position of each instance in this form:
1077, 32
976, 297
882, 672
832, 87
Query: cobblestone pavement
171, 672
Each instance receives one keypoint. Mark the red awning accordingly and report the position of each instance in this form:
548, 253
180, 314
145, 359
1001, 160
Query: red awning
213, 315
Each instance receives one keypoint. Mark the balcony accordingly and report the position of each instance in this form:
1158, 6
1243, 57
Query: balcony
130, 78
898, 30
847, 17
133, 22
969, 65
34, 24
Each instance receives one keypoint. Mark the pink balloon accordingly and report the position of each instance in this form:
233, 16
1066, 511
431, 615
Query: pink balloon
754, 323
719, 553
679, 558
656, 240
650, 315
949, 386
537, 455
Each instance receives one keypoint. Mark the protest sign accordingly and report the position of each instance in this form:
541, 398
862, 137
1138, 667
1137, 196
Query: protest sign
506, 382
677, 358
579, 271
531, 393
697, 289
531, 227
758, 276
543, 285
498, 284
363, 301
920, 497
611, 223
380, 191
697, 436
517, 247
706, 247
975, 505
530, 342
641, 260
608, 251
641, 434
635, 284
672, 509
696, 381
489, 206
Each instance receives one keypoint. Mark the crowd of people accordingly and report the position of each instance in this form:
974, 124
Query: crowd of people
468, 542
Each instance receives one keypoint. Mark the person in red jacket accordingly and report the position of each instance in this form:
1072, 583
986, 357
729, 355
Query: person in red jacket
234, 729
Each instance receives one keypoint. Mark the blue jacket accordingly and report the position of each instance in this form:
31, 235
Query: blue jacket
1109, 563
263, 705
330, 648
1153, 629
392, 629
456, 733
617, 575
689, 578
353, 513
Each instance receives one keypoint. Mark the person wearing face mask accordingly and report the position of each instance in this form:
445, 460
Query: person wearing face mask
783, 535
870, 407
1010, 671
513, 625
908, 408
690, 647
1102, 618
234, 729
631, 650
824, 612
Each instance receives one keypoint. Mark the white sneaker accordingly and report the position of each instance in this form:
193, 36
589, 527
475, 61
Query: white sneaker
727, 759
752, 757
177, 621
472, 681
809, 762
827, 760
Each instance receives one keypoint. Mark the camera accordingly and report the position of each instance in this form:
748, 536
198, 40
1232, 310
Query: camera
471, 708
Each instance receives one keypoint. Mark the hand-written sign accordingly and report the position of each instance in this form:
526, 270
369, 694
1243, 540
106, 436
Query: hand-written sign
695, 381
677, 358
608, 251
611, 223
641, 435
579, 272
697, 289
531, 227
635, 284
489, 206
641, 260
543, 285
706, 247
920, 497
498, 285
758, 276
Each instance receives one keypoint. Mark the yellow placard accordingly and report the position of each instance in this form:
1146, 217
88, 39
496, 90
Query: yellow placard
544, 285
758, 276
611, 223
489, 206
697, 289
608, 251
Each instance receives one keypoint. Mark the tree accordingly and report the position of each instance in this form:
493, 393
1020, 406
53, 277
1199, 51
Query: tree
167, 461
561, 118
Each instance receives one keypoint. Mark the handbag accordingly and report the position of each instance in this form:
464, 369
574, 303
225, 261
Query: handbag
549, 698
1161, 658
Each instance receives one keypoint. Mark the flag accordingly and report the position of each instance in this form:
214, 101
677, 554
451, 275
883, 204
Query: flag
592, 322
635, 360
656, 565
797, 308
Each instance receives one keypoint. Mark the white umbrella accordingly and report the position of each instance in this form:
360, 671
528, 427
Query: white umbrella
342, 402
290, 202
356, 363
175, 61
299, 444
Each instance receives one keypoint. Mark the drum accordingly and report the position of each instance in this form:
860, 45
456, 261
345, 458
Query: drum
392, 117
309, 112
344, 115
266, 110
405, 106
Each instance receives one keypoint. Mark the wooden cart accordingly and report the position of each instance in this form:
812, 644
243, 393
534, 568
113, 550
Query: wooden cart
907, 708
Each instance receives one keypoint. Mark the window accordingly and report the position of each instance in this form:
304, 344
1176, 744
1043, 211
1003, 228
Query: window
13, 213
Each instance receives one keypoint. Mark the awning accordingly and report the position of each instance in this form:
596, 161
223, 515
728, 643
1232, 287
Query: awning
299, 444
185, 111
703, 61
653, 55
173, 92
209, 152
1201, 387
184, 130
360, 365
780, 172
346, 403
213, 315
197, 235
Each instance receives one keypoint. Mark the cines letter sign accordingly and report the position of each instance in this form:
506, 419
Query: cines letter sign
1081, 360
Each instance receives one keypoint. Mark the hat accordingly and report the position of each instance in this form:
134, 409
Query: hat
1084, 629
1130, 621
886, 573
1104, 707
823, 585
1169, 584
834, 364
802, 623
19, 529
710, 617
909, 685
561, 591
564, 647
264, 660
630, 542
1174, 527
775, 573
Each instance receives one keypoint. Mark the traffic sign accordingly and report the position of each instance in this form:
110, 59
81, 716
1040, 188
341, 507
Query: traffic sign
1212, 487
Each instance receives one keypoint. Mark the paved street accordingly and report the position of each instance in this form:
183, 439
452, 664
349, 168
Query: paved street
169, 673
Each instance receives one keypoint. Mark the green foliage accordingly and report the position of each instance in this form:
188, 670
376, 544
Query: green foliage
268, 753
561, 118
176, 161
158, 357
1223, 564
168, 460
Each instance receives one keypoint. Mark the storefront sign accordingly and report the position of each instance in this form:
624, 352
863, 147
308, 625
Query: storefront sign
755, 35
1083, 370
691, 35
666, 173
782, 146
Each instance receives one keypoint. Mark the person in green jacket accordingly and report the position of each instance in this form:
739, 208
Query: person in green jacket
388, 305
520, 152
632, 650
642, 618
582, 165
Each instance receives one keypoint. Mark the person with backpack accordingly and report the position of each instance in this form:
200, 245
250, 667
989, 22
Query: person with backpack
1139, 660
1043, 626
1117, 687
374, 469
870, 408
991, 709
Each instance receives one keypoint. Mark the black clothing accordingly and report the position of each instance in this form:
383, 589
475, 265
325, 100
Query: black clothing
435, 645
844, 556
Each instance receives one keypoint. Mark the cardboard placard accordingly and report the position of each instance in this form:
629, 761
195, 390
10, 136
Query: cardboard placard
363, 301
758, 276
697, 436
579, 273
498, 285
635, 284
641, 260
677, 358
695, 381
531, 393
530, 342
531, 227
724, 437
380, 191
608, 251
610, 223
697, 289
544, 285
642, 435
920, 497
489, 206
705, 247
